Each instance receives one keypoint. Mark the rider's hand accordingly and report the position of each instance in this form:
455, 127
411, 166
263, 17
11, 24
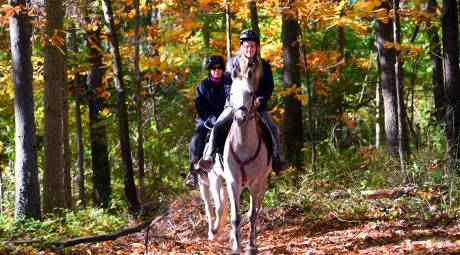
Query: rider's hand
212, 120
256, 102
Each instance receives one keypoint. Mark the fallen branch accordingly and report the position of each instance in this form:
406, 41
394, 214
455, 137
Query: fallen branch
387, 193
91, 239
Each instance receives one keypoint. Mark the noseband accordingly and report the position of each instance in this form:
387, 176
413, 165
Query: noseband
251, 112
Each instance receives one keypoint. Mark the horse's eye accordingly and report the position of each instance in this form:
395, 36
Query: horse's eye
251, 94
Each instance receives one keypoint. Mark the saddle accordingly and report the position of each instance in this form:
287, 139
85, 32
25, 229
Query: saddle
262, 128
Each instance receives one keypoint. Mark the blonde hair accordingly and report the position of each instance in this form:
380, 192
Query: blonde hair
243, 63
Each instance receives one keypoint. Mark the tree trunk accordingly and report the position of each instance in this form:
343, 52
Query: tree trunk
53, 189
123, 125
78, 129
338, 93
384, 33
65, 133
228, 32
451, 79
378, 109
403, 148
293, 126
1, 190
27, 196
156, 83
436, 65
99, 150
254, 17
311, 120
140, 141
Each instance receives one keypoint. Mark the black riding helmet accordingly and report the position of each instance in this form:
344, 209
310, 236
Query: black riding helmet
215, 60
249, 35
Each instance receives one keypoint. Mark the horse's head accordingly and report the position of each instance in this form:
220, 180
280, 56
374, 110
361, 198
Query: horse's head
242, 96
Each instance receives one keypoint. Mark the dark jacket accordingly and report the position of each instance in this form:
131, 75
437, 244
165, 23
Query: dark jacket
266, 84
210, 99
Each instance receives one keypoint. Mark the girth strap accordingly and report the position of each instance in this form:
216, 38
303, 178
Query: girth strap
242, 164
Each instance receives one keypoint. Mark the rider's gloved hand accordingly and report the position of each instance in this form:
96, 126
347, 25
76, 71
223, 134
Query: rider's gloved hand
211, 120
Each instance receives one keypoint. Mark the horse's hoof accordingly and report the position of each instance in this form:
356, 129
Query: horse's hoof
211, 236
251, 251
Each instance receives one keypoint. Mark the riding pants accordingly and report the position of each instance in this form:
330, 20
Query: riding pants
197, 144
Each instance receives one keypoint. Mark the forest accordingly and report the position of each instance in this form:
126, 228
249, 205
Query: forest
97, 109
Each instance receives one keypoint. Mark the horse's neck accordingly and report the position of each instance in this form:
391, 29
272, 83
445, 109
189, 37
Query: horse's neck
244, 138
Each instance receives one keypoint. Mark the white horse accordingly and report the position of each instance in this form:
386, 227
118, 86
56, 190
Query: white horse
245, 164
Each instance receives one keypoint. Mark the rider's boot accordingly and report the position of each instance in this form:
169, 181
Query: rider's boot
279, 166
206, 162
191, 179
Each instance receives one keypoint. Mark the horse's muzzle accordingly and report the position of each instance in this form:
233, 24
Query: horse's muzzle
241, 117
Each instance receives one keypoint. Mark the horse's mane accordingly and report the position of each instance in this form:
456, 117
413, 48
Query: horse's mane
246, 74
256, 69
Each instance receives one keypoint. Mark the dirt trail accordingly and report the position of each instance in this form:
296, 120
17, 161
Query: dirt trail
184, 231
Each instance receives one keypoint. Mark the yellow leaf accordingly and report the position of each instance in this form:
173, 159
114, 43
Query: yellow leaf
105, 223
105, 112
131, 14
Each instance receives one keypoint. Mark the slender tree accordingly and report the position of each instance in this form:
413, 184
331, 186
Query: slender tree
436, 65
140, 141
155, 83
311, 119
338, 95
78, 125
99, 150
27, 197
53, 188
451, 79
254, 17
403, 149
65, 136
228, 32
378, 109
386, 59
123, 125
293, 131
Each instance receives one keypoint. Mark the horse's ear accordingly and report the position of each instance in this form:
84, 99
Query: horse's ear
234, 73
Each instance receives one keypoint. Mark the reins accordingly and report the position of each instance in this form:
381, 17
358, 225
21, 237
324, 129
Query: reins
243, 164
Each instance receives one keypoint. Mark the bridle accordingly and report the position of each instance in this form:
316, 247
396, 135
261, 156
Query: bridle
251, 112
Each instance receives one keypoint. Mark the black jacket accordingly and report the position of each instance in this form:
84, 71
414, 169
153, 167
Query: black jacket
266, 84
210, 98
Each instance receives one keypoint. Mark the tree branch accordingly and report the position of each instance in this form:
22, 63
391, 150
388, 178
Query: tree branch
91, 239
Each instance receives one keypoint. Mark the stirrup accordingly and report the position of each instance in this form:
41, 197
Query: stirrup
191, 180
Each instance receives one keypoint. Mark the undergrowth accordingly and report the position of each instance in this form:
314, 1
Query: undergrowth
351, 172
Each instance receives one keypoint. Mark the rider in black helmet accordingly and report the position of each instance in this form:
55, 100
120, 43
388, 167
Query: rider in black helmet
209, 103
249, 57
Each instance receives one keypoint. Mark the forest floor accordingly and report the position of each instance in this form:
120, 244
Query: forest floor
183, 230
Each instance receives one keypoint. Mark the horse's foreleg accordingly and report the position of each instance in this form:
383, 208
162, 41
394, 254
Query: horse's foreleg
206, 196
224, 200
251, 248
256, 192
219, 202
234, 191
